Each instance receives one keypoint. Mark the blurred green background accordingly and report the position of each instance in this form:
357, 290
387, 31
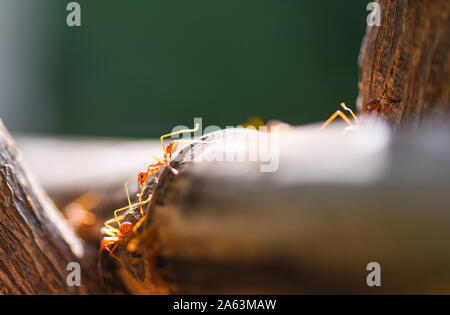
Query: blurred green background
139, 68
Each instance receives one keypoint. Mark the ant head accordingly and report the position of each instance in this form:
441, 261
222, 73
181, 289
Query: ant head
373, 104
142, 178
126, 228
172, 147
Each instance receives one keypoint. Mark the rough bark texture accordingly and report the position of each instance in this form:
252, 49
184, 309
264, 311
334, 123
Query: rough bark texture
36, 244
405, 62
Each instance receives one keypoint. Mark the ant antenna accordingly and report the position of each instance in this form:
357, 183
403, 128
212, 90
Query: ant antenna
176, 133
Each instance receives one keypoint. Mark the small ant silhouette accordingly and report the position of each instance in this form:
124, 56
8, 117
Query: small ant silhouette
371, 106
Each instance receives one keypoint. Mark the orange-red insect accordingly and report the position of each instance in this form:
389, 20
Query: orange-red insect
142, 179
342, 115
372, 105
114, 236
152, 169
110, 243
172, 147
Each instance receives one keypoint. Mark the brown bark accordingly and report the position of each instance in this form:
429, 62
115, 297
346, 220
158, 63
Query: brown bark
405, 62
36, 244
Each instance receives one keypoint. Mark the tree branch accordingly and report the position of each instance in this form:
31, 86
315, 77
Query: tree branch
311, 226
36, 245
405, 62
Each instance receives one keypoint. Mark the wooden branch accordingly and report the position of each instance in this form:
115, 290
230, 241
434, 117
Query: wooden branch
36, 244
335, 204
405, 62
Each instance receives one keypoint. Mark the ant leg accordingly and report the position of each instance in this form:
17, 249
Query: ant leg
166, 164
126, 208
99, 262
176, 133
140, 203
109, 230
144, 216
176, 172
333, 117
119, 210
351, 112
136, 227
141, 220
114, 248
111, 253
126, 189
140, 199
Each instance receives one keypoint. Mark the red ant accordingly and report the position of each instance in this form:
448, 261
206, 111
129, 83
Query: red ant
152, 169
116, 235
142, 178
172, 147
371, 106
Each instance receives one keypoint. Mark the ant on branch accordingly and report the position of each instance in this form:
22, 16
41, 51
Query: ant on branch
371, 106
152, 169
114, 236
172, 147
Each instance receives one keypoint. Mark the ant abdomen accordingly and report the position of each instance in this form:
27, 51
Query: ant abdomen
125, 228
373, 104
